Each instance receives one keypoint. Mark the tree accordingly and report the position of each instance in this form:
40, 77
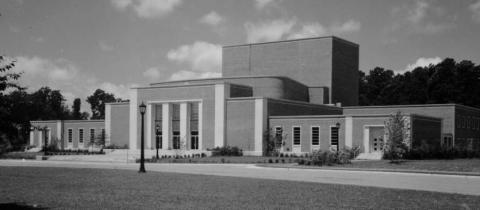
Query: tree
97, 103
76, 115
396, 144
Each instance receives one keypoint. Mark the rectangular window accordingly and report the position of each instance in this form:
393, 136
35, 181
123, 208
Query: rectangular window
334, 136
316, 135
80, 135
70, 135
176, 139
158, 134
92, 135
296, 135
103, 134
194, 140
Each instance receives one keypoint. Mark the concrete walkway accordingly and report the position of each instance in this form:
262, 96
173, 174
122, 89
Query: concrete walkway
469, 185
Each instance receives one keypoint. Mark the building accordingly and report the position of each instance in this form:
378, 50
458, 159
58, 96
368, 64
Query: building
304, 90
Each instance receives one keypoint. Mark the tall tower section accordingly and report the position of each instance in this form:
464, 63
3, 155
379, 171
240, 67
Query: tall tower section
327, 65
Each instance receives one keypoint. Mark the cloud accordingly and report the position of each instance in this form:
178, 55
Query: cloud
269, 31
422, 62
212, 19
104, 46
475, 9
63, 75
147, 8
199, 56
346, 27
186, 75
121, 4
421, 17
261, 4
152, 74
293, 29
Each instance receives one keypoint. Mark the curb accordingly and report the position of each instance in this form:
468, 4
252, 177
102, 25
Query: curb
457, 173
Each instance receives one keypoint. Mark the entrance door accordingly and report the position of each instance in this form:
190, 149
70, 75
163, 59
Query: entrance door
377, 135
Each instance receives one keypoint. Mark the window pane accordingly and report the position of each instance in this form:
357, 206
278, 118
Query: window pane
334, 136
315, 135
296, 136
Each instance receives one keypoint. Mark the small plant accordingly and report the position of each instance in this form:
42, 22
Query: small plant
270, 161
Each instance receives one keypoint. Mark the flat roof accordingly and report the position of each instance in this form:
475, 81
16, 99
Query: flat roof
293, 40
224, 78
411, 105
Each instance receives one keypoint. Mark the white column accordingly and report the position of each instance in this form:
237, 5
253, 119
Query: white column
40, 139
200, 126
133, 118
31, 138
148, 126
166, 124
108, 123
220, 107
348, 132
366, 139
260, 125
184, 122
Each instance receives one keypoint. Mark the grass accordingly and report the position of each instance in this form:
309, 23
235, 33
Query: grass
461, 165
68, 188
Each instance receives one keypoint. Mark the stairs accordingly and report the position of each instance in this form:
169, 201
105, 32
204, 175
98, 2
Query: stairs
370, 156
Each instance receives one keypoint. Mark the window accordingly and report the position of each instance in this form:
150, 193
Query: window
103, 134
296, 135
194, 140
333, 136
316, 135
70, 135
92, 135
176, 140
80, 135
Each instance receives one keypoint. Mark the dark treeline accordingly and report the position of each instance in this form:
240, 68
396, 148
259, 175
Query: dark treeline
446, 82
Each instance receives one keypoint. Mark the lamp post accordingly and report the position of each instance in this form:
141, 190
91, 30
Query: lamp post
142, 155
338, 136
157, 139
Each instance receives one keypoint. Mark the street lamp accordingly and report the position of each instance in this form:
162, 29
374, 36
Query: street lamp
142, 155
338, 136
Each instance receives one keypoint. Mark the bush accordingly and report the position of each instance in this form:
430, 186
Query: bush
328, 157
227, 151
113, 146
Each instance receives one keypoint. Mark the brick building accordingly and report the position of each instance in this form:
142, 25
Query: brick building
305, 90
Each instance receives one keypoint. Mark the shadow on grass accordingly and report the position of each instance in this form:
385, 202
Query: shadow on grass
19, 206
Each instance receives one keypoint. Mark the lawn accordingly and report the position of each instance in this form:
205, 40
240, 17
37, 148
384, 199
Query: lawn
462, 165
68, 188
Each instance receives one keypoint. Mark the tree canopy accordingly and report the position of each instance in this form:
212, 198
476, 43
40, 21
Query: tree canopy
445, 82
97, 103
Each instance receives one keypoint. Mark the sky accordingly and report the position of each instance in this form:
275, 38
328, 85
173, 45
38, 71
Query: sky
79, 46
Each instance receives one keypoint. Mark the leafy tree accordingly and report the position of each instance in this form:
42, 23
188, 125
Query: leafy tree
76, 115
396, 144
97, 103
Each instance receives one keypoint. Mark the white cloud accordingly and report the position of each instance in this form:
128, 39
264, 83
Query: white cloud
104, 46
293, 29
212, 18
199, 56
346, 27
475, 9
121, 4
186, 75
152, 74
261, 4
269, 31
422, 62
309, 30
63, 75
148, 8
421, 17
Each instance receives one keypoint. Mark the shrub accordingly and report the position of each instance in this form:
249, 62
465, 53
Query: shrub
227, 151
270, 161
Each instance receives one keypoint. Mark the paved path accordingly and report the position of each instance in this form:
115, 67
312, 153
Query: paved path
469, 185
